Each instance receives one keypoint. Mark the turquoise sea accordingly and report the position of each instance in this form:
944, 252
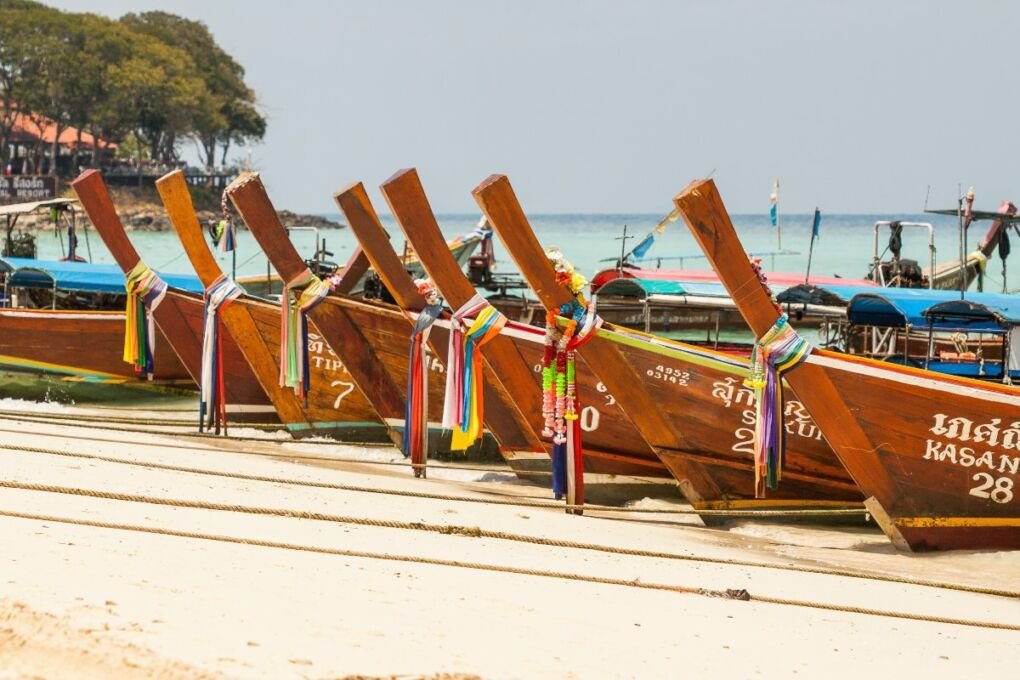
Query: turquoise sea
844, 247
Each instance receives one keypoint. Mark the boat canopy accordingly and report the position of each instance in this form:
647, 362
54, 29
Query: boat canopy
983, 313
943, 309
79, 276
827, 295
26, 208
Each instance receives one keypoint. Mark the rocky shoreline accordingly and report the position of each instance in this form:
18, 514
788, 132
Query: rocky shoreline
146, 213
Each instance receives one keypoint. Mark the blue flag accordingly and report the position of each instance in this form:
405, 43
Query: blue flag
816, 223
641, 249
774, 208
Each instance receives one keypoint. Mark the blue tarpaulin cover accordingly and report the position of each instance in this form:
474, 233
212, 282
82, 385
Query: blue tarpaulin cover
985, 312
80, 276
642, 288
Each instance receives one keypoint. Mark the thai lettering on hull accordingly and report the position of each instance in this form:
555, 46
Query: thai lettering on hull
796, 420
962, 443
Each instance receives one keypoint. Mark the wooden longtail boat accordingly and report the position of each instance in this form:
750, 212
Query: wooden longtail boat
936, 455
609, 477
371, 339
83, 344
688, 402
76, 336
180, 315
335, 406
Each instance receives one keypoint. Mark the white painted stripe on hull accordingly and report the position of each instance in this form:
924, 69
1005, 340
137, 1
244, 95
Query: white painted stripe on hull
65, 315
915, 380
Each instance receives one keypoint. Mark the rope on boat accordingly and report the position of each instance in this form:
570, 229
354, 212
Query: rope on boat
474, 532
730, 594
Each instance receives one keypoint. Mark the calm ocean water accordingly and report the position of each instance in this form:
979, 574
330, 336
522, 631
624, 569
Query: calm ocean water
844, 247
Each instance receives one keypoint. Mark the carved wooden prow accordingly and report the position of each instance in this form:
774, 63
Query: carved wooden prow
357, 266
95, 199
173, 190
510, 426
409, 205
702, 209
251, 200
496, 198
353, 201
360, 359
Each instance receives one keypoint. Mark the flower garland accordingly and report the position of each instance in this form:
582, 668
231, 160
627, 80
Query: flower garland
561, 405
416, 407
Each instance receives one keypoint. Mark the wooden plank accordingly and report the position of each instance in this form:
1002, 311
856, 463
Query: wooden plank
251, 200
357, 266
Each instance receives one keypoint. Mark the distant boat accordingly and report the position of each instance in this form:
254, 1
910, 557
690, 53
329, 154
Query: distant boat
67, 318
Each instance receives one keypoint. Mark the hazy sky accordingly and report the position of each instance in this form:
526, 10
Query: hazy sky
614, 106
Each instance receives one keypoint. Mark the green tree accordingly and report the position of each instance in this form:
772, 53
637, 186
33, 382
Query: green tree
23, 26
156, 92
228, 113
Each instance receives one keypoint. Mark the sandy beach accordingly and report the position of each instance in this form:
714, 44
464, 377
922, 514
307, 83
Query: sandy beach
95, 601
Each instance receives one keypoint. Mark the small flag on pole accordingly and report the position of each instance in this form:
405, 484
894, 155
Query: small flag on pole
816, 223
774, 208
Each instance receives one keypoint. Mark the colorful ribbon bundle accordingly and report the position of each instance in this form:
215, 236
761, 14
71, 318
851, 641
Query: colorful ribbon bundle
463, 410
294, 371
145, 290
561, 406
225, 230
416, 408
225, 237
775, 353
212, 410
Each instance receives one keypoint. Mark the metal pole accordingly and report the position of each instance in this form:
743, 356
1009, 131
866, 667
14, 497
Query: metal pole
959, 224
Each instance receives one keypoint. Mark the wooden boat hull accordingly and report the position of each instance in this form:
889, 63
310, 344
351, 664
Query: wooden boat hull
385, 329
79, 343
181, 319
336, 407
943, 455
686, 400
611, 472
937, 456
703, 391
